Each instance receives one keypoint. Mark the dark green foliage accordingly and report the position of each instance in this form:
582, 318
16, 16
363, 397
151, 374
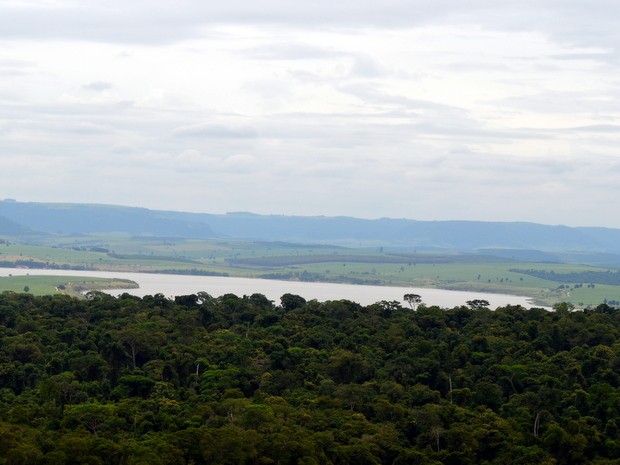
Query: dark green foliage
292, 301
239, 380
611, 278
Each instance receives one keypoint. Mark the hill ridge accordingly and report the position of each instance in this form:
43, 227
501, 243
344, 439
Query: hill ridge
449, 235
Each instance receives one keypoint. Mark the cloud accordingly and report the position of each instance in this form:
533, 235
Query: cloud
15, 67
470, 110
159, 21
240, 163
594, 128
98, 86
562, 102
366, 66
290, 51
86, 127
215, 131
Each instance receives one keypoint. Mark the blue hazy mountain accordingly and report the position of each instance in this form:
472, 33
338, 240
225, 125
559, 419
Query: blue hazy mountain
503, 238
12, 228
70, 219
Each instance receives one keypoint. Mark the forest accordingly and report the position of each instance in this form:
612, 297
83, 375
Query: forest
609, 277
241, 380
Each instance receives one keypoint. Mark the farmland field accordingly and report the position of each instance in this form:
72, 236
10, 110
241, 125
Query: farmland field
71, 285
467, 272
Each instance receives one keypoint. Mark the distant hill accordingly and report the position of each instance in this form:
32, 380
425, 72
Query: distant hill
69, 219
517, 239
12, 228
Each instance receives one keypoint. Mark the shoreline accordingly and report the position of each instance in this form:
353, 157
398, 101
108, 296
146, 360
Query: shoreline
172, 284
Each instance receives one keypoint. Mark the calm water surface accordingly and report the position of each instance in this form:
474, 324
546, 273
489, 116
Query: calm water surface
172, 285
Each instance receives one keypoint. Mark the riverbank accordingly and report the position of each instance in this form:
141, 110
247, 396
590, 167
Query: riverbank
172, 285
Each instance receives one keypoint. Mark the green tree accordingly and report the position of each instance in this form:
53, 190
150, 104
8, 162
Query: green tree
413, 300
477, 304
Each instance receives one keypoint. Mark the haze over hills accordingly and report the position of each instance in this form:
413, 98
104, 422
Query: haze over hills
29, 219
71, 219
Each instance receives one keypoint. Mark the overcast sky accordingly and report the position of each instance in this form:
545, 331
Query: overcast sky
430, 110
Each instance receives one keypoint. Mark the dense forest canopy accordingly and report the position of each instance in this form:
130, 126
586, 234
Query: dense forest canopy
243, 380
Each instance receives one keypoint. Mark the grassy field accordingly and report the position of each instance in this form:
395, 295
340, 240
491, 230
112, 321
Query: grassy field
120, 252
71, 285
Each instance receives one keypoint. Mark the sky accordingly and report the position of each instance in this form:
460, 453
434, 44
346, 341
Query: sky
429, 110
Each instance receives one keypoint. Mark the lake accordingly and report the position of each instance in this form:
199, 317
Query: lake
172, 285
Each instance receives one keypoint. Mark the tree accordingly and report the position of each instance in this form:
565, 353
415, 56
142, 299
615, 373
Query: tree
292, 301
190, 300
477, 304
413, 300
93, 416
141, 340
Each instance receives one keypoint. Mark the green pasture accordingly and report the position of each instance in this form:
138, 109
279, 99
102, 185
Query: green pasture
73, 285
313, 262
484, 277
48, 254
130, 257
37, 285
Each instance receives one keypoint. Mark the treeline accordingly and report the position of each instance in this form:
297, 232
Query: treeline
397, 258
318, 277
163, 258
37, 265
188, 272
611, 278
241, 380
292, 260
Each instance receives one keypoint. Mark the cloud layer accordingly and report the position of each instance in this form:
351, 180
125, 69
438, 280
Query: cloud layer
443, 110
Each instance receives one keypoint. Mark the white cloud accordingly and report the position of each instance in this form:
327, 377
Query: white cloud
214, 131
473, 110
98, 86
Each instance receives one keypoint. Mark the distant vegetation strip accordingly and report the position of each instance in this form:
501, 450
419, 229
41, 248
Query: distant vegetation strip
42, 265
611, 278
164, 239
151, 257
297, 245
79, 288
317, 277
290, 260
192, 272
